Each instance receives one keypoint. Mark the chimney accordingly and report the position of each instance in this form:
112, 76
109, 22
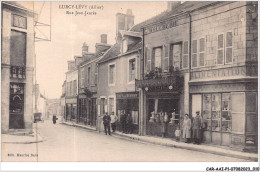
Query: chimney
102, 46
104, 38
123, 22
172, 5
84, 49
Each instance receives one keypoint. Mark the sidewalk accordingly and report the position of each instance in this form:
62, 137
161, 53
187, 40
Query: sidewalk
172, 143
22, 139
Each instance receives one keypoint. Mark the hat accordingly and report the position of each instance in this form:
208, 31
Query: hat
197, 111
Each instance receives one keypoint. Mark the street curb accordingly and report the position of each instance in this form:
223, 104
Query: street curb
40, 139
170, 144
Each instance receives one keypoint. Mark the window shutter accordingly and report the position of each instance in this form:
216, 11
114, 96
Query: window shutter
166, 58
194, 53
185, 54
152, 59
148, 59
202, 52
229, 48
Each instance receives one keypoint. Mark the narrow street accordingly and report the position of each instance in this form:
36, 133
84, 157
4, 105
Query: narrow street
66, 143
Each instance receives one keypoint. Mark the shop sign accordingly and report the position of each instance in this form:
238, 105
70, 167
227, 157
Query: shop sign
163, 95
217, 73
126, 95
159, 27
160, 82
217, 88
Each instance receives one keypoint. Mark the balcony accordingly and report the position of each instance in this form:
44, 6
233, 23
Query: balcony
171, 80
17, 72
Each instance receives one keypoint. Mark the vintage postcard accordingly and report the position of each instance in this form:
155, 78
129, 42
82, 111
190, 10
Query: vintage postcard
124, 81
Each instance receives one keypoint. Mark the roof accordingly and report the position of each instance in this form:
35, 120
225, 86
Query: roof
17, 5
182, 8
112, 53
135, 46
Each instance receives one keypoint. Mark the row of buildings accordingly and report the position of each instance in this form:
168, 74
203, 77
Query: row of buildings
194, 56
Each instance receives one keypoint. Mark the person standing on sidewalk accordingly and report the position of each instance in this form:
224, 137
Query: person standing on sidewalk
106, 122
129, 123
164, 124
186, 128
197, 128
123, 121
113, 121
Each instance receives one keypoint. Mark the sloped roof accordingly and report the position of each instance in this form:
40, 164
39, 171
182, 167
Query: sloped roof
135, 46
113, 52
184, 7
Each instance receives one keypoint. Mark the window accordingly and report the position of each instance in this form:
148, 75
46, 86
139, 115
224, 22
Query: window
229, 48
220, 49
82, 78
18, 52
194, 54
131, 70
19, 21
185, 57
74, 87
96, 75
111, 74
89, 75
217, 112
71, 88
166, 58
176, 56
111, 105
158, 57
202, 52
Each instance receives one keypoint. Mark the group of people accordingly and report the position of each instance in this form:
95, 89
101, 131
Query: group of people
192, 128
125, 120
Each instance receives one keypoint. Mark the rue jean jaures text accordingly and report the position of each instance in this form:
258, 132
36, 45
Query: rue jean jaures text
81, 10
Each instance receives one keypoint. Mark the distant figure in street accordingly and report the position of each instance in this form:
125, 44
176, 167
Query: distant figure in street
129, 124
113, 121
123, 121
106, 122
196, 127
186, 128
54, 118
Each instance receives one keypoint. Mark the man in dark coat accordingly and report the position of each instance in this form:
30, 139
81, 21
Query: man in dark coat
106, 122
196, 128
123, 122
129, 124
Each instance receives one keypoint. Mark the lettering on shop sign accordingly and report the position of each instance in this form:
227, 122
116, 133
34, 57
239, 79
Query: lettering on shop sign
216, 88
126, 95
234, 71
163, 26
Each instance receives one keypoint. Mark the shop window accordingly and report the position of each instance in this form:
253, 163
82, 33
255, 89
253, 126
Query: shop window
185, 57
194, 53
111, 74
202, 52
131, 70
217, 112
220, 50
134, 115
226, 113
229, 48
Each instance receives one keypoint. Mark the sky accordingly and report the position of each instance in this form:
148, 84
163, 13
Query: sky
70, 31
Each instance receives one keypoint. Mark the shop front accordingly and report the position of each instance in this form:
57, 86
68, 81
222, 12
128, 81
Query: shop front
229, 111
128, 103
163, 104
71, 109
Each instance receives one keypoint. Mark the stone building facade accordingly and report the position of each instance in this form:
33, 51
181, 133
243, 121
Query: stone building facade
202, 56
17, 67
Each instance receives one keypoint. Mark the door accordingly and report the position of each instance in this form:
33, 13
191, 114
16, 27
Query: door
196, 104
16, 108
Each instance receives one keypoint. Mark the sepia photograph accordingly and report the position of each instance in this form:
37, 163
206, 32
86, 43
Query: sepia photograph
130, 81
